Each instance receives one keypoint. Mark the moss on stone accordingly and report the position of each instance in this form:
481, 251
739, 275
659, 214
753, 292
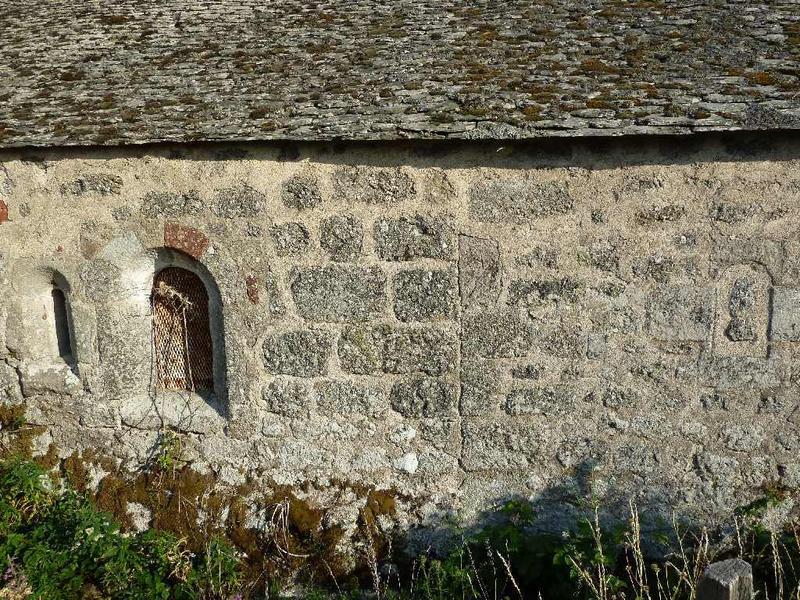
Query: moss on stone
75, 472
598, 103
12, 416
191, 505
595, 65
762, 78
18, 435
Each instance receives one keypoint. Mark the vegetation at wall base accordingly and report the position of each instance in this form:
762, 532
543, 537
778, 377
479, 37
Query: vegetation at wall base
55, 545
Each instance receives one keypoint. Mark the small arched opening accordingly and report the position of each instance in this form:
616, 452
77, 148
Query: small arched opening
182, 339
61, 321
61, 333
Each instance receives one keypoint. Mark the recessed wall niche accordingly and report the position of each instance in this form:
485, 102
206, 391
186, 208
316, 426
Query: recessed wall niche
187, 326
42, 328
741, 326
62, 320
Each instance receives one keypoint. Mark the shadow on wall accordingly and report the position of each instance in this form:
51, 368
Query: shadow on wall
560, 505
571, 541
601, 152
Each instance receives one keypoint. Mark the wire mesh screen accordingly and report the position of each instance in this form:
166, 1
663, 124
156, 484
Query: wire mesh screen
181, 331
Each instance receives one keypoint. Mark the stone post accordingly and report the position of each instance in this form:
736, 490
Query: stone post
730, 579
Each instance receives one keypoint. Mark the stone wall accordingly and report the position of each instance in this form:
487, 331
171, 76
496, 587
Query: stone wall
457, 323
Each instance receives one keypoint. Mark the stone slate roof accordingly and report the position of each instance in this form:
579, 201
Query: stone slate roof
135, 71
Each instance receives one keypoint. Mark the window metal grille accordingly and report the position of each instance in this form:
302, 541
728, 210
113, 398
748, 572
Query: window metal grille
181, 331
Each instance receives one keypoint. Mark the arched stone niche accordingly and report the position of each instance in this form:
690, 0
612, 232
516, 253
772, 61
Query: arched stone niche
166, 258
743, 307
41, 331
120, 282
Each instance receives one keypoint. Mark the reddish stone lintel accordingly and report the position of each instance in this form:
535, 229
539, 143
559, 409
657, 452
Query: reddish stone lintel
186, 239
251, 284
3, 212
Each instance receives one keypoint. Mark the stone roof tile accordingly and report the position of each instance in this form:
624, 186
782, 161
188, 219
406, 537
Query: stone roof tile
137, 71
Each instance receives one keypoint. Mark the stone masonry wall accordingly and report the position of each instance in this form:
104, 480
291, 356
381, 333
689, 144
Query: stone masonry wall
459, 324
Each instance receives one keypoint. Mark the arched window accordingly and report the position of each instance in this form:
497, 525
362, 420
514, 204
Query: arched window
183, 346
61, 323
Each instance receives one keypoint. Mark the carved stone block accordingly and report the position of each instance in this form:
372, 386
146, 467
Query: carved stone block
742, 311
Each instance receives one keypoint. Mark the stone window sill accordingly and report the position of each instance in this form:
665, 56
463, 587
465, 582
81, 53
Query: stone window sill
188, 412
49, 376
